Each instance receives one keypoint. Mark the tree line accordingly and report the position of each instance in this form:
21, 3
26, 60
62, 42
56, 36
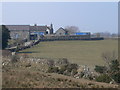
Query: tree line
5, 34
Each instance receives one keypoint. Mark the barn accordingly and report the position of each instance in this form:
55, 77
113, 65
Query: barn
28, 31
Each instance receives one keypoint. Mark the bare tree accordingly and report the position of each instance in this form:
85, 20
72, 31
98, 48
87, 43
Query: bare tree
105, 34
109, 56
71, 29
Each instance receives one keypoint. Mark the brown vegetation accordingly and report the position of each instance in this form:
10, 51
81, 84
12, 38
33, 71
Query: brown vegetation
30, 74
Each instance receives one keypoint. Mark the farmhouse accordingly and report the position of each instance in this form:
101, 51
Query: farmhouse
61, 31
28, 32
45, 33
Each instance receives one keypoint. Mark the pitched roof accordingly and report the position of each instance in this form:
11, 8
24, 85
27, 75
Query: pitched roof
61, 29
39, 28
17, 27
26, 27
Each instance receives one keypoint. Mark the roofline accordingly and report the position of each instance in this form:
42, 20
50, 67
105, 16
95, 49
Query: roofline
17, 25
28, 25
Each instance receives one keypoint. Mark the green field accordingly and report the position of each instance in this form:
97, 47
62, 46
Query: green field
81, 52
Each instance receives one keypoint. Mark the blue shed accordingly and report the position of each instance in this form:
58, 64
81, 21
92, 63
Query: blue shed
81, 33
39, 33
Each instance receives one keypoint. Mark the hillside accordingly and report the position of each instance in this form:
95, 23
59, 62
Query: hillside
26, 74
81, 52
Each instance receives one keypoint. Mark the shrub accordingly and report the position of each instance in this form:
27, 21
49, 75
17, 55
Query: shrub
5, 36
90, 77
67, 73
62, 69
53, 70
65, 68
114, 66
100, 69
51, 63
116, 77
70, 67
82, 74
103, 78
62, 61
73, 72
115, 70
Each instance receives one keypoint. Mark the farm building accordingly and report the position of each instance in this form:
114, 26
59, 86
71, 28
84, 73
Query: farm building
28, 32
62, 34
36, 32
61, 31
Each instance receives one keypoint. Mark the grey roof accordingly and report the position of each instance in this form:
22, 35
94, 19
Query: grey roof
61, 29
39, 28
17, 27
26, 27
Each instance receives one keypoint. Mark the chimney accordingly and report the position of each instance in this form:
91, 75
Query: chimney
35, 24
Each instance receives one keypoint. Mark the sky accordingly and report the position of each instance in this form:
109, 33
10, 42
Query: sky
88, 16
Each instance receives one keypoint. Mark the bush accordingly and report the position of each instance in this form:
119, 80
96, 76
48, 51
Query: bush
62, 61
51, 63
62, 69
90, 77
114, 66
82, 74
103, 78
116, 77
65, 68
70, 67
67, 73
100, 69
53, 70
5, 36
73, 72
115, 70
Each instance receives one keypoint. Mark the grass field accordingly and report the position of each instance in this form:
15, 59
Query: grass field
81, 52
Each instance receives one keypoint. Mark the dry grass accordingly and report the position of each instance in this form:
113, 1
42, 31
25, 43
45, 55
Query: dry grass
17, 75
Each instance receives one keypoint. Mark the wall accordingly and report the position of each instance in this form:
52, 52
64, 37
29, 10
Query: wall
60, 32
21, 34
66, 37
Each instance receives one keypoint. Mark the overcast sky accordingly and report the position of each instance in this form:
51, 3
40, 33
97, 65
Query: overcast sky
88, 16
